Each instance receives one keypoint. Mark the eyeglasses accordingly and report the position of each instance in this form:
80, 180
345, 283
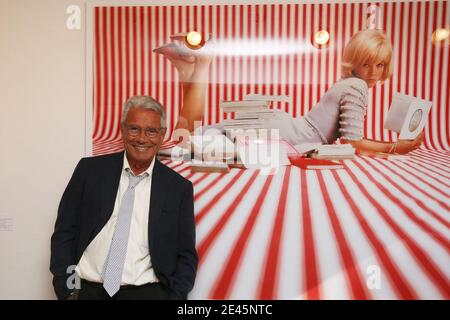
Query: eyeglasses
134, 131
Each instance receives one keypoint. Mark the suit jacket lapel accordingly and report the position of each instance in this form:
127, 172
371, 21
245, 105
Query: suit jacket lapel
157, 195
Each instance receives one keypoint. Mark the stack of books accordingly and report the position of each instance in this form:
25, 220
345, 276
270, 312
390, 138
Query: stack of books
266, 97
209, 166
334, 152
243, 106
248, 114
251, 113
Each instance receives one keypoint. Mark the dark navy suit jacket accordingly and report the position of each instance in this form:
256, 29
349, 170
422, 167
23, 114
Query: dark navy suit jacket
88, 202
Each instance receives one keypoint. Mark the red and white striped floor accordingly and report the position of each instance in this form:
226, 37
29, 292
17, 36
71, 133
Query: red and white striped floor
376, 230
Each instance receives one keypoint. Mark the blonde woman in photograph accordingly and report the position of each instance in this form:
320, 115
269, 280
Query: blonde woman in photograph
367, 60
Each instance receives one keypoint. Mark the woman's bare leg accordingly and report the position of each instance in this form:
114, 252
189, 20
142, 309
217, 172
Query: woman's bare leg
194, 96
193, 70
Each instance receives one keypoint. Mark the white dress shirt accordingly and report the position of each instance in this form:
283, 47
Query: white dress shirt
138, 268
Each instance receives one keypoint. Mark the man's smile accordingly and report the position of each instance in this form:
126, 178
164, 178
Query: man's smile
142, 148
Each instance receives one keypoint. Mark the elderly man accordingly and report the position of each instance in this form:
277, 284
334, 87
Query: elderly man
125, 221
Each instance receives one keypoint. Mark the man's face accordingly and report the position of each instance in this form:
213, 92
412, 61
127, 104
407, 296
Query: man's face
142, 135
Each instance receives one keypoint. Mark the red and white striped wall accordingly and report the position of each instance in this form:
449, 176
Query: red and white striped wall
266, 48
307, 234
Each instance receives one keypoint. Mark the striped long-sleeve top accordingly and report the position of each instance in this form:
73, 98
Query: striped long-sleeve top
339, 114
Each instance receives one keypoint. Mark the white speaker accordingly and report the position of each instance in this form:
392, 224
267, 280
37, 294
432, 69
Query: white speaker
407, 115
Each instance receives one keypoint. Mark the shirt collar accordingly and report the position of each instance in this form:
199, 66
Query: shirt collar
149, 170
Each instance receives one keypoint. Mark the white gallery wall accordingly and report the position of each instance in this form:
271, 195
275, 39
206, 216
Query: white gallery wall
42, 136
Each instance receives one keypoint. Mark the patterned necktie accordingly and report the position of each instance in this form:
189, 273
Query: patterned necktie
113, 268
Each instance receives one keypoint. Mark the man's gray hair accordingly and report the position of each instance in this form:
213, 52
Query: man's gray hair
144, 102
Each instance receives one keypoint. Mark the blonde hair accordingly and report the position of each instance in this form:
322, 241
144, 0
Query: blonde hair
367, 46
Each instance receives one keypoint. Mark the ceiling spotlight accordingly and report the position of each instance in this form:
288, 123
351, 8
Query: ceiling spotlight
194, 40
440, 35
321, 39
